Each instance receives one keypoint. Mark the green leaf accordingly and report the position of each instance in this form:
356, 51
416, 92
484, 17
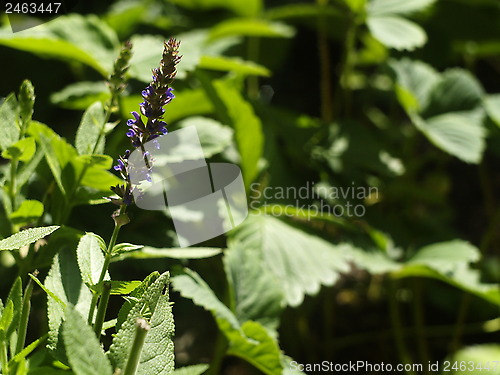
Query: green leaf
247, 129
384, 7
124, 287
191, 285
233, 64
301, 262
81, 95
82, 347
27, 350
22, 150
482, 355
65, 282
415, 81
16, 296
492, 106
252, 27
26, 237
148, 252
125, 248
9, 126
191, 370
257, 347
247, 8
397, 32
89, 137
28, 212
135, 295
7, 316
90, 259
157, 356
145, 307
94, 44
461, 134
255, 291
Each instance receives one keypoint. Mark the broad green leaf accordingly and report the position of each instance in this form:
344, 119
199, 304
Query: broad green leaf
461, 134
81, 95
191, 370
148, 252
90, 259
22, 150
28, 212
483, 357
246, 8
214, 137
233, 64
252, 27
145, 307
95, 43
97, 177
26, 237
374, 261
384, 7
456, 91
65, 282
82, 347
9, 127
254, 289
89, 137
300, 261
415, 81
157, 356
53, 163
191, 285
492, 106
257, 347
397, 32
247, 129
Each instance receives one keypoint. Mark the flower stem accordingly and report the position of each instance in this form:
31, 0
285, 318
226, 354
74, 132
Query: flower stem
23, 322
103, 305
141, 330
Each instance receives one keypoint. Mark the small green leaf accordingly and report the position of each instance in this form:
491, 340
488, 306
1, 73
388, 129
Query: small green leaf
89, 137
82, 347
251, 27
26, 237
7, 316
28, 212
9, 127
148, 252
120, 287
90, 259
397, 32
125, 248
81, 95
191, 370
16, 296
145, 307
49, 293
22, 150
27, 350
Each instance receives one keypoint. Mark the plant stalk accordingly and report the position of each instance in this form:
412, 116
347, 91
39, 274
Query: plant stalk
141, 330
103, 306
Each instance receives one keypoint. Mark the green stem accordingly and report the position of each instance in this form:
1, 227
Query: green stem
103, 305
459, 327
23, 322
13, 184
219, 354
141, 330
397, 326
107, 261
420, 323
3, 354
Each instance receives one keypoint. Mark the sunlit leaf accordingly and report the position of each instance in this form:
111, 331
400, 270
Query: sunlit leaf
26, 237
397, 32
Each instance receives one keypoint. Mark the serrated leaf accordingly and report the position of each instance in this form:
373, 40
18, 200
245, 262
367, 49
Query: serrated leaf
255, 291
251, 27
82, 347
300, 261
135, 295
191, 370
157, 356
90, 259
492, 106
380, 7
247, 129
81, 95
257, 347
89, 137
461, 134
145, 308
28, 212
65, 282
9, 127
397, 32
22, 150
26, 237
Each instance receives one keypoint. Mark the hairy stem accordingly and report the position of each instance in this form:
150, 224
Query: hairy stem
141, 330
103, 306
